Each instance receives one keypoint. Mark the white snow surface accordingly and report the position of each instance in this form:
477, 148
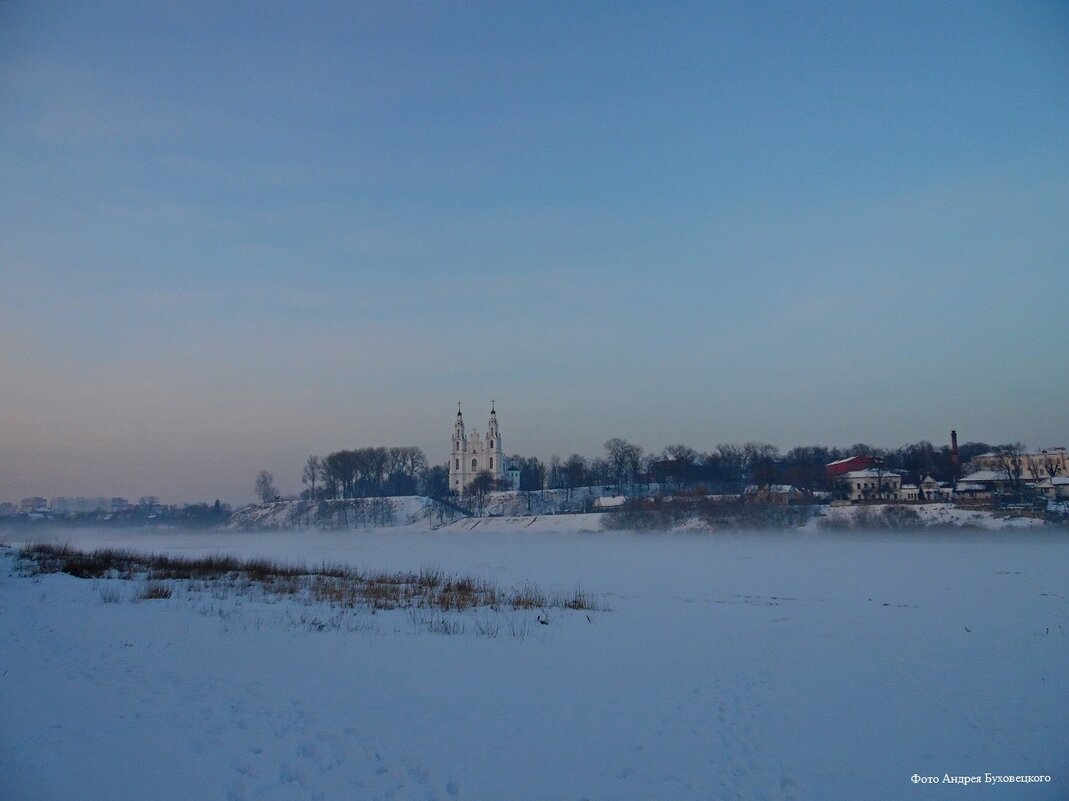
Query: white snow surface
800, 665
574, 523
932, 515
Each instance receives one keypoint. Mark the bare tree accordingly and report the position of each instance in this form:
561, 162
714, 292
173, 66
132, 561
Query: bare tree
625, 459
880, 466
574, 472
760, 458
1011, 461
806, 466
337, 474
265, 487
599, 470
555, 477
731, 463
434, 481
378, 459
478, 489
681, 459
329, 476
310, 474
841, 488
1040, 470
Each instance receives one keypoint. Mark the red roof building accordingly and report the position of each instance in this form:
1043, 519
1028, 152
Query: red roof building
835, 469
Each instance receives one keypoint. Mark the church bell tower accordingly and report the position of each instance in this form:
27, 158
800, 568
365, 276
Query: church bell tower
457, 458
470, 455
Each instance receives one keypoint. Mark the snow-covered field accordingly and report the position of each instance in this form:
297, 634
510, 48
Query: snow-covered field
808, 665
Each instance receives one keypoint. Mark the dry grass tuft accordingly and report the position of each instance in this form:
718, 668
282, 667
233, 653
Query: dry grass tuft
335, 585
154, 590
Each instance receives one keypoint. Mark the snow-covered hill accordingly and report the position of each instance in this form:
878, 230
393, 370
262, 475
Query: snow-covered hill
555, 510
412, 511
925, 515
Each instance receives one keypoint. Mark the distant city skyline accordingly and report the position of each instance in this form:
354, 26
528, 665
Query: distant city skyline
235, 235
291, 483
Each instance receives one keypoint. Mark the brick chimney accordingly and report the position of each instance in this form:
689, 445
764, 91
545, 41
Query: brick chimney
955, 459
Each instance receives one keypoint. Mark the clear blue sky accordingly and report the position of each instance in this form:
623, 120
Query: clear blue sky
232, 235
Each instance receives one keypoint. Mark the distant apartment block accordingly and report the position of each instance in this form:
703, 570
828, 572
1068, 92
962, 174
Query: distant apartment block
74, 506
1041, 464
27, 505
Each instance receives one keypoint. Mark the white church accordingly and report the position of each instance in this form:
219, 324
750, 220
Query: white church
471, 455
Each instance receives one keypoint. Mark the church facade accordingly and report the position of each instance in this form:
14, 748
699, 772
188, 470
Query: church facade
472, 454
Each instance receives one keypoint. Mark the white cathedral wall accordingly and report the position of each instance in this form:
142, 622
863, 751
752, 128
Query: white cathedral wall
473, 448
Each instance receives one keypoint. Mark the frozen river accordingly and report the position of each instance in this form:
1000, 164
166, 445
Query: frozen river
759, 665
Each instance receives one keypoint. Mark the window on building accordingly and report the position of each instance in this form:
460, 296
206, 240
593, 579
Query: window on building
491, 447
458, 464
491, 462
474, 464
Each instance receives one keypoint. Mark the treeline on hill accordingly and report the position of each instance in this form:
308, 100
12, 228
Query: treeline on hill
373, 472
387, 471
731, 467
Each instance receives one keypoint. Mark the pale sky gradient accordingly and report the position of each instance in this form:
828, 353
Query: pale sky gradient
235, 234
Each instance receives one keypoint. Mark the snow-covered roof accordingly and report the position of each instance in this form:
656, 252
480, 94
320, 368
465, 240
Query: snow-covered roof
847, 459
1054, 481
965, 486
987, 475
776, 489
871, 473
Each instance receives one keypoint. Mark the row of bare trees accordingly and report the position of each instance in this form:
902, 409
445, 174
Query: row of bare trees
730, 467
626, 464
383, 471
367, 473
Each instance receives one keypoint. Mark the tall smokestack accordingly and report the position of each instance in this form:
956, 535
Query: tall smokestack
955, 458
